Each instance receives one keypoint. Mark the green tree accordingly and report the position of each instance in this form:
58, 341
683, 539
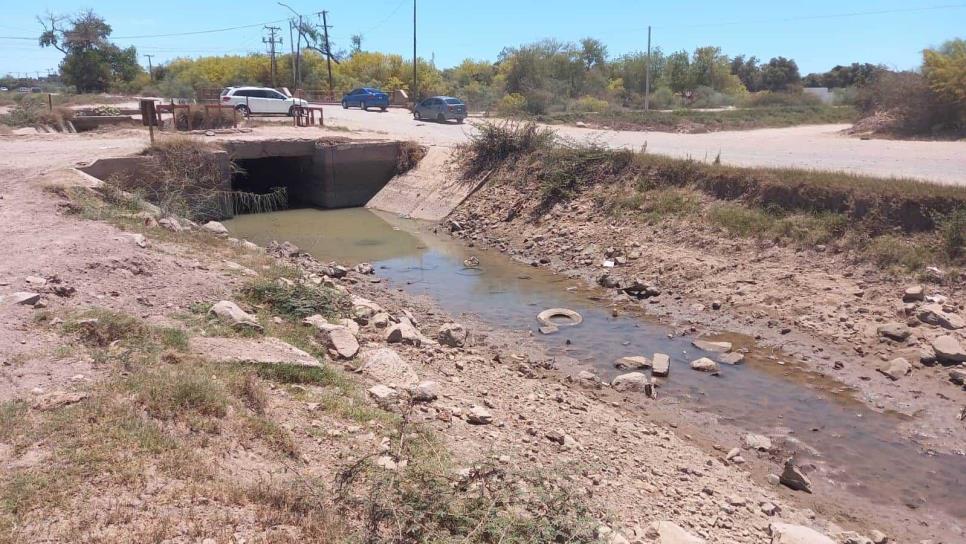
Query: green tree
91, 63
780, 74
748, 71
945, 72
679, 75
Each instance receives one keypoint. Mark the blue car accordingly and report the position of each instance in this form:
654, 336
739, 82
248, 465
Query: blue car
366, 98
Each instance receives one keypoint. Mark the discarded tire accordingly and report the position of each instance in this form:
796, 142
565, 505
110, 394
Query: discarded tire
573, 318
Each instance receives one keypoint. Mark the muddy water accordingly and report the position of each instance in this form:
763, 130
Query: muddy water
854, 447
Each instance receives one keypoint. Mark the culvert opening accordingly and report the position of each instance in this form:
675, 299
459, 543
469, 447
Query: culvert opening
319, 174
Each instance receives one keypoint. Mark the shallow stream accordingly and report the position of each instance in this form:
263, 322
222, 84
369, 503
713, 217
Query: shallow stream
855, 447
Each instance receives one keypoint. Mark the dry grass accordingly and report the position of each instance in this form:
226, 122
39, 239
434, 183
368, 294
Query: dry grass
806, 207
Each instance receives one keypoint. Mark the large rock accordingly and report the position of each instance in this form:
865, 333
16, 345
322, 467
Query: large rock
914, 293
733, 358
404, 332
452, 335
215, 227
385, 366
665, 532
757, 442
479, 415
229, 312
714, 347
632, 381
660, 365
24, 297
634, 362
896, 368
948, 350
894, 331
340, 341
426, 391
268, 350
933, 314
704, 365
786, 533
794, 477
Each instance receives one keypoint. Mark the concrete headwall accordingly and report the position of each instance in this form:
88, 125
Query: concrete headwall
331, 173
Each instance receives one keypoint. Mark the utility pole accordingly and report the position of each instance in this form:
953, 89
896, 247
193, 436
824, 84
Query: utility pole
328, 52
291, 45
296, 52
150, 67
415, 79
272, 41
298, 57
647, 73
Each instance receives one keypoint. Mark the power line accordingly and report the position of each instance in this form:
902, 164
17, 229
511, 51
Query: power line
822, 16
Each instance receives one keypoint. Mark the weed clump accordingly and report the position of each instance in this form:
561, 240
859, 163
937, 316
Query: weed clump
297, 300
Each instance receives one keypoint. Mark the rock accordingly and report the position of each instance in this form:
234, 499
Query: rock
588, 379
479, 415
385, 366
958, 376
380, 320
36, 280
933, 314
249, 246
734, 358
633, 362
267, 350
548, 329
786, 533
139, 240
426, 391
714, 347
896, 368
285, 249
382, 393
665, 532
914, 293
229, 312
704, 365
767, 508
172, 224
948, 350
757, 442
794, 477
349, 324
632, 381
452, 335
25, 297
773, 479
340, 340
215, 227
57, 399
878, 537
642, 289
608, 282
404, 333
852, 537
660, 365
894, 331
365, 269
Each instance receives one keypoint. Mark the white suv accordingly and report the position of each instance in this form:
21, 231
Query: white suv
259, 100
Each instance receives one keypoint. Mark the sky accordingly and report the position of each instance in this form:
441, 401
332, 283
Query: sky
818, 34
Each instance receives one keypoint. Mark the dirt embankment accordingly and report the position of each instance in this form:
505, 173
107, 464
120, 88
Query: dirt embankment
726, 266
121, 421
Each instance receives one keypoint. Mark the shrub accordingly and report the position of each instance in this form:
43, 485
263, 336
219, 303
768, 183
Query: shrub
907, 98
512, 104
952, 229
591, 104
494, 143
765, 99
33, 111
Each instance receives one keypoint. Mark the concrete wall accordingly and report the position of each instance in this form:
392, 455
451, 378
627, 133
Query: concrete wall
331, 173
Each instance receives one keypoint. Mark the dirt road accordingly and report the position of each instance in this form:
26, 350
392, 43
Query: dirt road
820, 147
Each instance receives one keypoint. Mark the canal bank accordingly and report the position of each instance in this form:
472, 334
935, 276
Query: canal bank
855, 456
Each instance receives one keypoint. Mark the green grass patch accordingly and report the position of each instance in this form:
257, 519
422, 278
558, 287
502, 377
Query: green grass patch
297, 300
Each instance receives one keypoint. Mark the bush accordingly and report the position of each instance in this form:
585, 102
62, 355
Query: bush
512, 104
907, 98
952, 229
706, 97
767, 99
32, 110
590, 104
494, 143
663, 98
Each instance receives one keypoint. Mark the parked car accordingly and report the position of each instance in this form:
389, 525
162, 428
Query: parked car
366, 98
260, 100
3, 89
441, 108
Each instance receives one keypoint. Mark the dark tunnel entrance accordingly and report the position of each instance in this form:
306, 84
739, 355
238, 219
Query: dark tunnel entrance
264, 175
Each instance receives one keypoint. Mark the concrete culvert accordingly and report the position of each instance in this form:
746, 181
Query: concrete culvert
572, 318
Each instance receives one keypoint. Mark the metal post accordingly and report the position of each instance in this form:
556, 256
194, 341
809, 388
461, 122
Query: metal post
647, 73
